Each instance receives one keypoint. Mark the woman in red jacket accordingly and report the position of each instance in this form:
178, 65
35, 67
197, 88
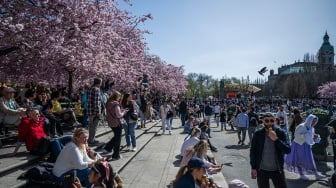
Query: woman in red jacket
31, 133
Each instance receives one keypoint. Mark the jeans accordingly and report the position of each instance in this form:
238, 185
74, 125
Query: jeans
57, 145
166, 123
93, 124
83, 176
278, 179
142, 118
183, 118
55, 125
85, 118
130, 133
114, 143
223, 125
241, 130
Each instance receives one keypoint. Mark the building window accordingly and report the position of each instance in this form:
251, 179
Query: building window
330, 60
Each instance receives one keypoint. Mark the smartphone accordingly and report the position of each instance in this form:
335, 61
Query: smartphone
69, 179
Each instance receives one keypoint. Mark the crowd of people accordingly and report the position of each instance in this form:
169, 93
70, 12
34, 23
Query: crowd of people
277, 141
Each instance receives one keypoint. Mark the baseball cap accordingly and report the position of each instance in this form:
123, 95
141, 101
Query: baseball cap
196, 162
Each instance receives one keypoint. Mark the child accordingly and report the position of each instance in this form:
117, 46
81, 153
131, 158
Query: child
102, 176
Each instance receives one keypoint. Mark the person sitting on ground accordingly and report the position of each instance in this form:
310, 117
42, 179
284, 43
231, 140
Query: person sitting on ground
191, 140
10, 111
102, 176
200, 150
190, 174
189, 124
74, 157
62, 113
31, 132
204, 136
45, 106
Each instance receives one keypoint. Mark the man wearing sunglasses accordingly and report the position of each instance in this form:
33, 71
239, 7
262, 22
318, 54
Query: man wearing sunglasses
267, 154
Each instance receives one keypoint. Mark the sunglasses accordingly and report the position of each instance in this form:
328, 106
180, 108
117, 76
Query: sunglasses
269, 120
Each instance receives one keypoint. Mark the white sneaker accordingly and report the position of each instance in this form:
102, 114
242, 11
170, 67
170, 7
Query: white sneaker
134, 149
128, 148
318, 175
304, 177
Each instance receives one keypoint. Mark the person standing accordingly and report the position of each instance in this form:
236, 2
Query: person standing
217, 110
183, 110
268, 147
84, 101
143, 109
242, 125
297, 120
114, 114
222, 118
301, 159
94, 109
253, 123
131, 120
165, 116
208, 112
282, 116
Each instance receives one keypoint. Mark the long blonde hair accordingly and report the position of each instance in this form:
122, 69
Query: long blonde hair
76, 136
200, 149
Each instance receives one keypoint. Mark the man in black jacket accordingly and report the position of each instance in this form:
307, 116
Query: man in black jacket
267, 154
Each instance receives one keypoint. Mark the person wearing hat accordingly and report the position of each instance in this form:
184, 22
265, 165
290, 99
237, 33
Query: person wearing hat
268, 147
10, 111
188, 175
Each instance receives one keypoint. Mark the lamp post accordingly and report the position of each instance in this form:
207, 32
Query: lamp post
70, 71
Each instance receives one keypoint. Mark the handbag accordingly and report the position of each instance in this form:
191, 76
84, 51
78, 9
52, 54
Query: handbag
42, 148
134, 116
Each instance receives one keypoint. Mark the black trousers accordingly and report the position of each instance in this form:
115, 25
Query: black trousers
277, 177
114, 143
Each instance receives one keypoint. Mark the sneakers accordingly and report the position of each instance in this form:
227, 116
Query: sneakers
319, 176
128, 148
304, 177
134, 149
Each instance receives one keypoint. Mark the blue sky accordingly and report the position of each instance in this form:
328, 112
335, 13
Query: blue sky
235, 38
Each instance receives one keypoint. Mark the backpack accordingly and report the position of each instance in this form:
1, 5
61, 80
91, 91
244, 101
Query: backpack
41, 175
253, 121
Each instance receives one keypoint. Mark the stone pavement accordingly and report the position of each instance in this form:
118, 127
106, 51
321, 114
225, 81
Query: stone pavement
157, 164
154, 164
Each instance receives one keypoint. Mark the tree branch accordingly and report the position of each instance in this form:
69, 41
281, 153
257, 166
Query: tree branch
8, 50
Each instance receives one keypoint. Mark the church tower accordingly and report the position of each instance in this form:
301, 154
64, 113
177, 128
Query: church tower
326, 53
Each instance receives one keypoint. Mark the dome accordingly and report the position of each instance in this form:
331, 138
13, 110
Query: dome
326, 46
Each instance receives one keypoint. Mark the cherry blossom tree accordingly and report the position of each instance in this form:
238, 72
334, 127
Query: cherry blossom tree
52, 41
327, 90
